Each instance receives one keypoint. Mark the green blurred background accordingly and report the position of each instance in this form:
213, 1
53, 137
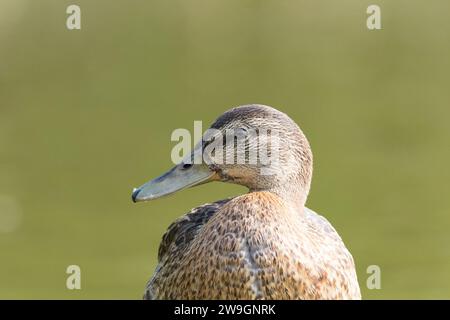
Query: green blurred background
87, 115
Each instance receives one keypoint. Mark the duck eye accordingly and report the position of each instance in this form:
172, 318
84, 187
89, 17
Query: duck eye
186, 165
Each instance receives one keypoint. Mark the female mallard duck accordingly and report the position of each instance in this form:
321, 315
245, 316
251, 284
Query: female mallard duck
261, 245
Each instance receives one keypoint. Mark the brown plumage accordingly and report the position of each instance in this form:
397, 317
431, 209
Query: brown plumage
261, 245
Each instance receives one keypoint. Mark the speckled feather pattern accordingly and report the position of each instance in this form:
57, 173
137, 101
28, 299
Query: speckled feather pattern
254, 246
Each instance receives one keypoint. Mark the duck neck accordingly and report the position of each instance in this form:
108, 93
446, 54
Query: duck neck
293, 195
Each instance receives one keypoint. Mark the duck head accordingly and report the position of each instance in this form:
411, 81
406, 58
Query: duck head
255, 146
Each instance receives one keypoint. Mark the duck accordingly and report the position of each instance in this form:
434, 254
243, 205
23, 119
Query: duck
262, 245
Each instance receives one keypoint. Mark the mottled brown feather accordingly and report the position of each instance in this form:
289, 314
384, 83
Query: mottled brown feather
253, 247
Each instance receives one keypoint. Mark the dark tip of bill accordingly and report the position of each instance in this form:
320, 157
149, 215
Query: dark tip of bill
135, 194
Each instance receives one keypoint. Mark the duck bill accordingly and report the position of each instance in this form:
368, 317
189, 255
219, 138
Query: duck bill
176, 179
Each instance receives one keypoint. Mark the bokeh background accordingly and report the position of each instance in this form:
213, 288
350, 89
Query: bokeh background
87, 115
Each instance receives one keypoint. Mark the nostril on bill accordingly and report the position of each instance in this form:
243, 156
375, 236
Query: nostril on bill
187, 165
